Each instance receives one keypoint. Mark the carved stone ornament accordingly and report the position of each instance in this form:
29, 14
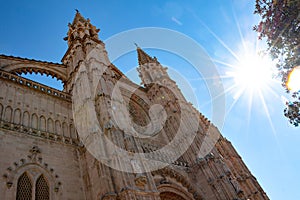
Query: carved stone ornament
33, 159
140, 181
34, 151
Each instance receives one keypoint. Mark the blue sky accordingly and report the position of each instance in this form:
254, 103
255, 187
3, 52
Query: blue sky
260, 133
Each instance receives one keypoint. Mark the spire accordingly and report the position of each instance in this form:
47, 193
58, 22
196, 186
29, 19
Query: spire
80, 28
143, 57
78, 18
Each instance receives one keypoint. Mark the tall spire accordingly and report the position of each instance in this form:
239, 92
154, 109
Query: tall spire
150, 70
80, 28
143, 57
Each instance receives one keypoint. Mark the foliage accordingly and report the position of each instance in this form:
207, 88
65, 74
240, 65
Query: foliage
292, 111
280, 25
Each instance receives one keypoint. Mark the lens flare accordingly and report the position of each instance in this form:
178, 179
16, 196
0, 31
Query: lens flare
293, 82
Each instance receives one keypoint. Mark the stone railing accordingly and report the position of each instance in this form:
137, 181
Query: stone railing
34, 85
38, 133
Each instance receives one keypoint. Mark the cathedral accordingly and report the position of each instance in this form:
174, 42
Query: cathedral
104, 137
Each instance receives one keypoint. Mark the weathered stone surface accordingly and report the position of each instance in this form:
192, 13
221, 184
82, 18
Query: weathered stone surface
38, 137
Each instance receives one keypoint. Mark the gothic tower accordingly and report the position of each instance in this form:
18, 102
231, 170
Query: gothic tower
93, 77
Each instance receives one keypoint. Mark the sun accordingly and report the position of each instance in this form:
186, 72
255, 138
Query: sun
252, 72
250, 76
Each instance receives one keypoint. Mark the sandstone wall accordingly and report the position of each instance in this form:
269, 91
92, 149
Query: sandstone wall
37, 137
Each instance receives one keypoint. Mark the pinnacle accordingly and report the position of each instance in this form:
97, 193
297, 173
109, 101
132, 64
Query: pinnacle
143, 57
78, 17
80, 28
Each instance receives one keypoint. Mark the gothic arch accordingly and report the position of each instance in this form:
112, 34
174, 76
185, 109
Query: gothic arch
42, 188
8, 114
42, 123
65, 130
73, 132
58, 130
170, 183
36, 170
34, 121
24, 187
23, 65
171, 191
17, 116
26, 119
50, 126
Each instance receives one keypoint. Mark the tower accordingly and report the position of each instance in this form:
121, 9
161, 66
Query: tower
151, 71
103, 136
92, 79
82, 38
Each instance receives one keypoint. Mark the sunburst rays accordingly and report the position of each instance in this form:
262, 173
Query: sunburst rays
247, 76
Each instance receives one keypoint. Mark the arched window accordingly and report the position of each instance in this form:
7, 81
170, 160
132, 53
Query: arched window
29, 190
41, 189
24, 188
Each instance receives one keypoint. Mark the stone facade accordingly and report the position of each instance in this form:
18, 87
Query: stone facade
43, 155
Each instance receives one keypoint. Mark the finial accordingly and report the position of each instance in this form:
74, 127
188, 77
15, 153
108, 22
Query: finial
137, 46
77, 11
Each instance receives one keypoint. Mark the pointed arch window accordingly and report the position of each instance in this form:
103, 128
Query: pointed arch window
32, 190
41, 189
24, 187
